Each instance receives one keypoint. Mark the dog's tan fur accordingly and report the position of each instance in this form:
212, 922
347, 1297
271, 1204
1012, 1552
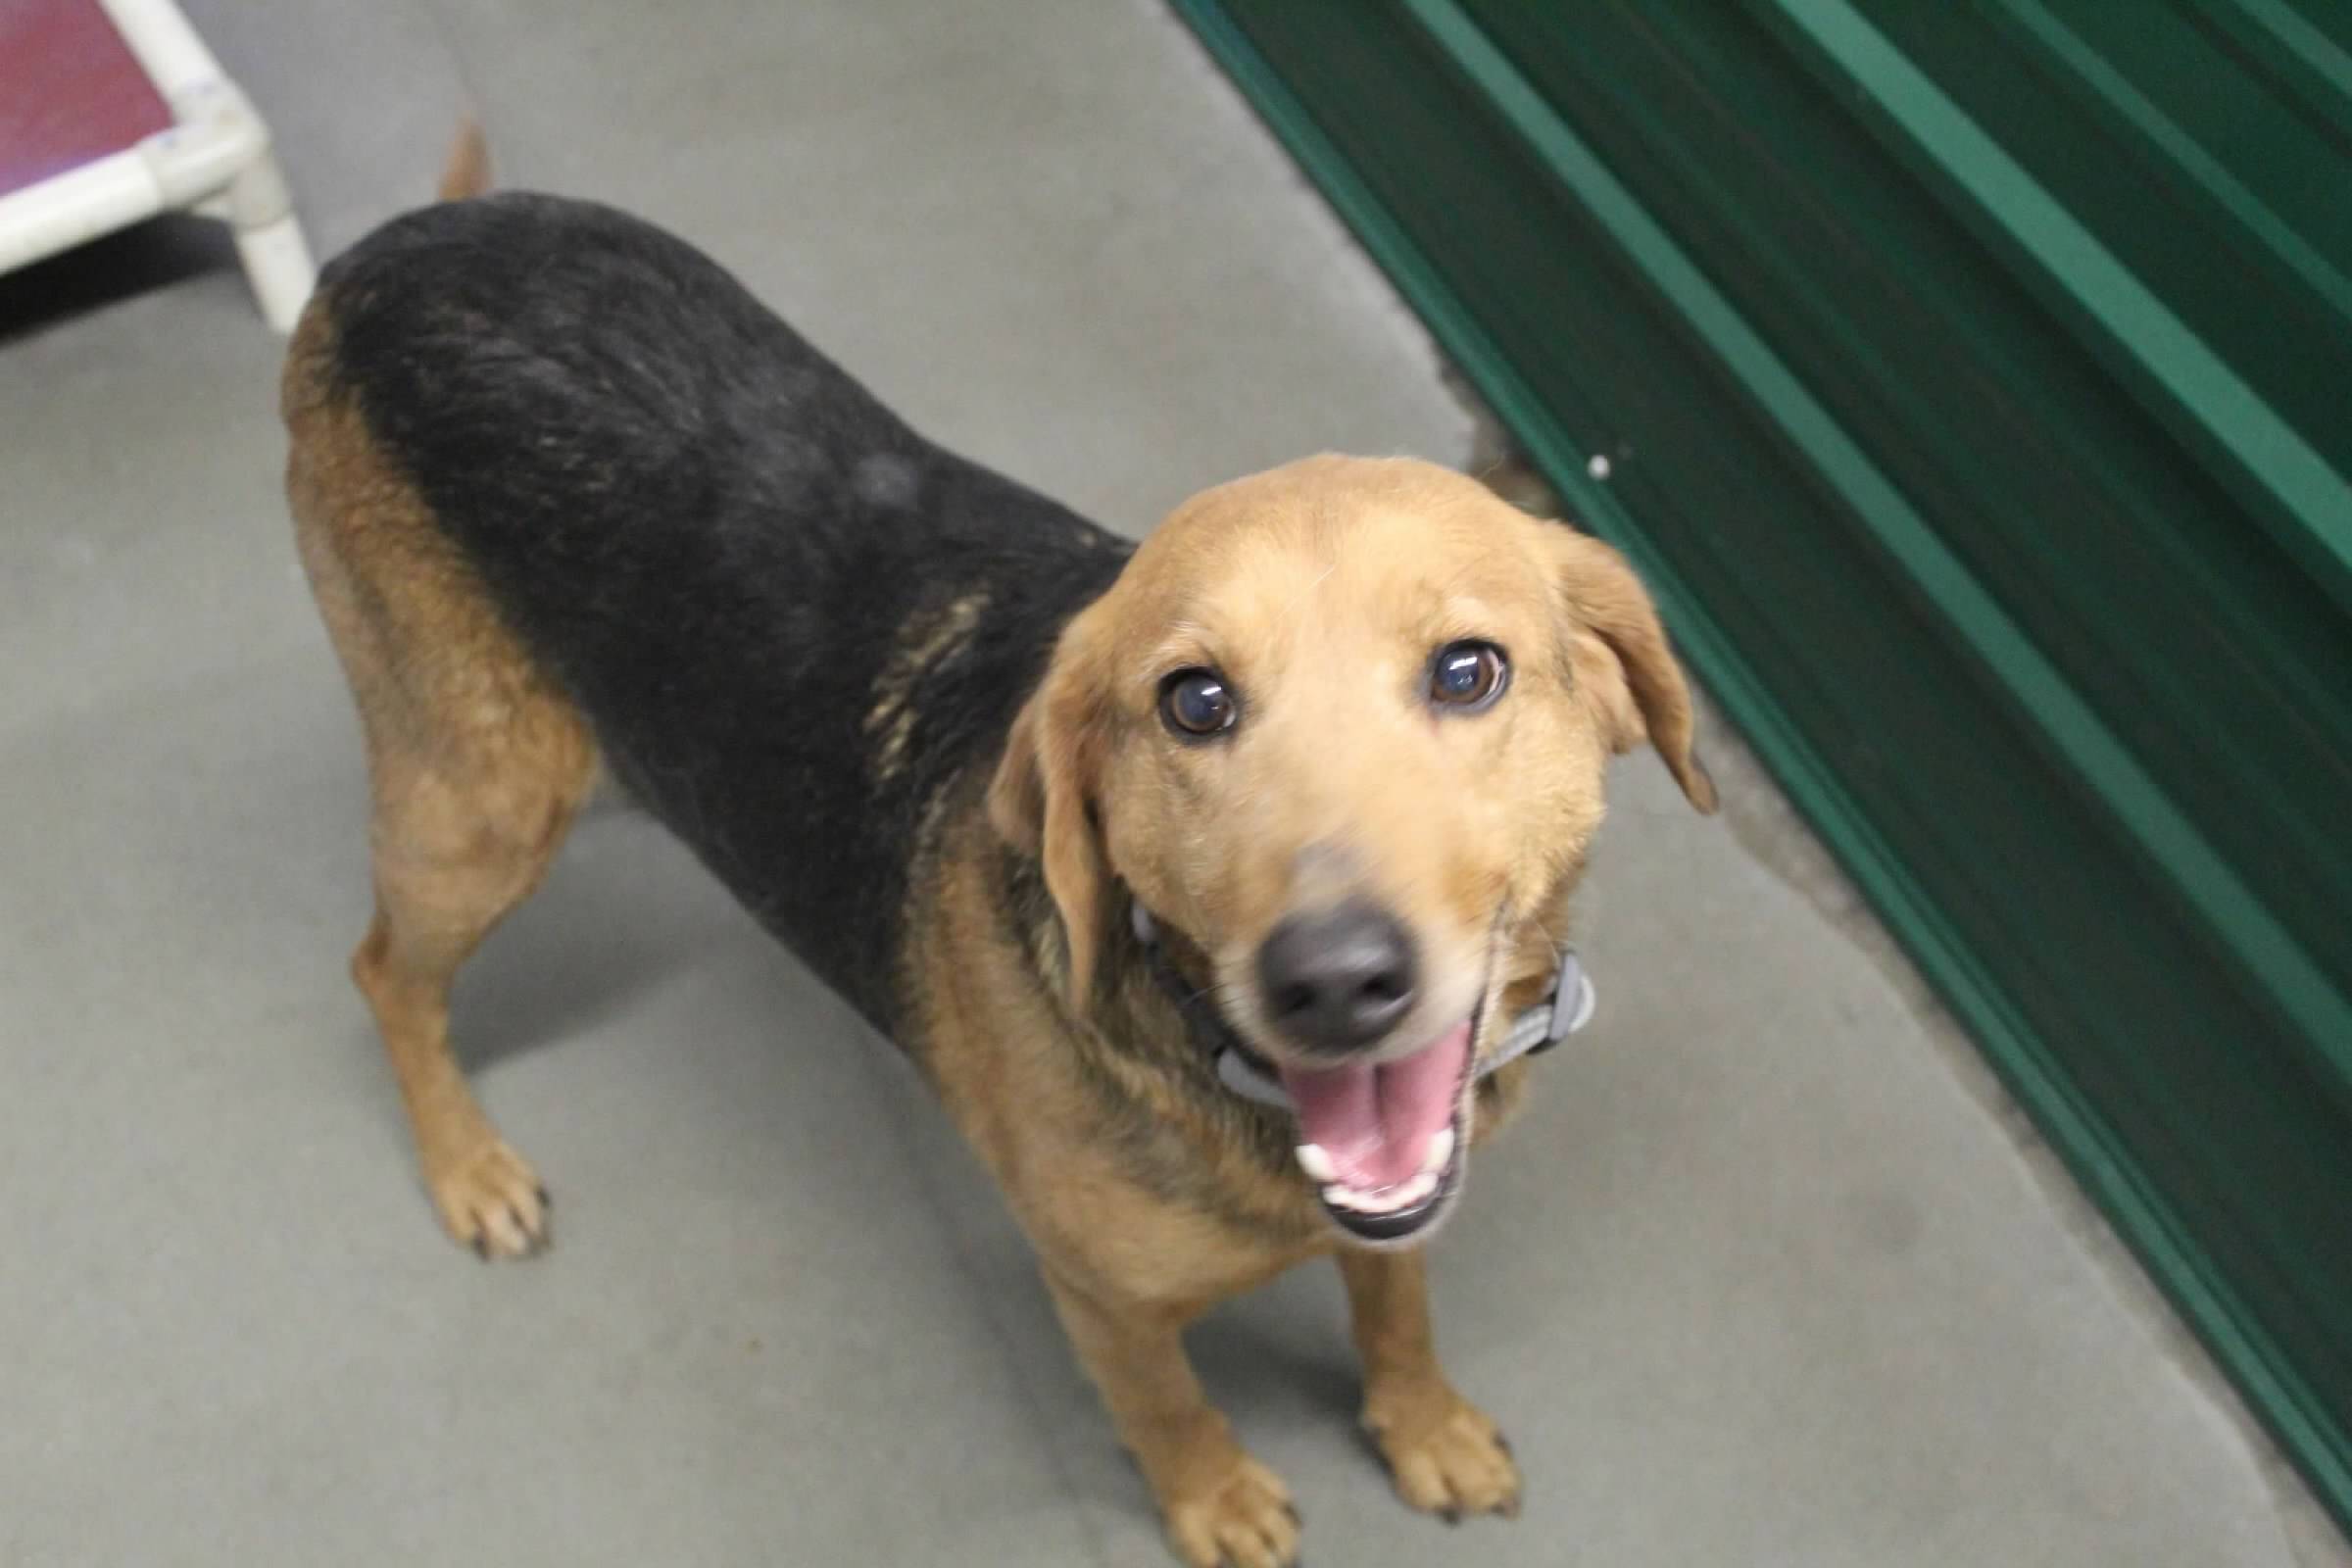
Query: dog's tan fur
476, 765
1320, 588
1316, 584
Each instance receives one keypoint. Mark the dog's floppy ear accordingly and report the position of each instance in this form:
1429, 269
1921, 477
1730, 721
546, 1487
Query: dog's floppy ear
1042, 801
1604, 597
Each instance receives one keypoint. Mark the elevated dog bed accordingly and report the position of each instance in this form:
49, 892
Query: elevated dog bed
113, 112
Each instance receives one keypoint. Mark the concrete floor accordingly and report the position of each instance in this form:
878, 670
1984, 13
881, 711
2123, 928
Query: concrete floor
1769, 1277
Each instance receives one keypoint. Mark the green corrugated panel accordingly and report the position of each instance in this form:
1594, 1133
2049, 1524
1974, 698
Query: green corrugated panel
1976, 380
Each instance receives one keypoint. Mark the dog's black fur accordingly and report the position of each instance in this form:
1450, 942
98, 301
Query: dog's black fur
724, 548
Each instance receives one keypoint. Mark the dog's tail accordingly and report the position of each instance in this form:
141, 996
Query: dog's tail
466, 174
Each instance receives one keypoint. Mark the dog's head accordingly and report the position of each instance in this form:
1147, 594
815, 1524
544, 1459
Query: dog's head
1344, 725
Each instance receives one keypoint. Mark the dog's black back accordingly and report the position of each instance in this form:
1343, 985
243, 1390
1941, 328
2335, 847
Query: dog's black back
790, 619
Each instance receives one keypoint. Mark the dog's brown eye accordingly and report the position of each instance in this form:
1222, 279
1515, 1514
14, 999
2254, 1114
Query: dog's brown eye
1467, 676
1197, 704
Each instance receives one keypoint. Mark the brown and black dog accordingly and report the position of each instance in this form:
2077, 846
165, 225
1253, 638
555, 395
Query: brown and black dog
1302, 782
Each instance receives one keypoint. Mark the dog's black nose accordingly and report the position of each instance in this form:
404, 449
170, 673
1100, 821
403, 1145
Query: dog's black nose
1338, 979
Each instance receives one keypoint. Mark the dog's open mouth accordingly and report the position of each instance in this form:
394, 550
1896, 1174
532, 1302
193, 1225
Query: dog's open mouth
1382, 1140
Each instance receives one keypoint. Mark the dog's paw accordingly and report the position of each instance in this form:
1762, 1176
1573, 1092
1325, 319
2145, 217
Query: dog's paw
1448, 1460
1244, 1520
490, 1200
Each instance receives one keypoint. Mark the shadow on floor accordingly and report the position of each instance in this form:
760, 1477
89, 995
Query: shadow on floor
139, 259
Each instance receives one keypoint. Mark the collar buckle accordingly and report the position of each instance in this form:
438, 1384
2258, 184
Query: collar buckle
1572, 1001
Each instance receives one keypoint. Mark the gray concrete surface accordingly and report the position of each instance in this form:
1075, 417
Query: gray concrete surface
1768, 1278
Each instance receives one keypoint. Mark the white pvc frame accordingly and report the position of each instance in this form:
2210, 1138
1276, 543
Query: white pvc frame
215, 160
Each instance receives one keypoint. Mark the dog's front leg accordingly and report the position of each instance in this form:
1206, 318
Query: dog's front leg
1445, 1456
1219, 1506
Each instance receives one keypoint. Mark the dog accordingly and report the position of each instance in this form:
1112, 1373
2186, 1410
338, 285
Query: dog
1206, 881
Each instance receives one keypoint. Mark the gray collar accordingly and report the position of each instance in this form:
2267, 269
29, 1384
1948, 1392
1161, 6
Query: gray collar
1565, 1008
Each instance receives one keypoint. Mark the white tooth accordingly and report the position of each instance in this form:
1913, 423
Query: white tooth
1317, 1164
1441, 1149
1384, 1200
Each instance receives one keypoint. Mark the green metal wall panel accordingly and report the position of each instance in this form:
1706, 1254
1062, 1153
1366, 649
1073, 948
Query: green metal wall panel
1976, 380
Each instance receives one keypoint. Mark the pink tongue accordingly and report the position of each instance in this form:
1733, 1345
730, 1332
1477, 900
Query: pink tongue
1376, 1122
